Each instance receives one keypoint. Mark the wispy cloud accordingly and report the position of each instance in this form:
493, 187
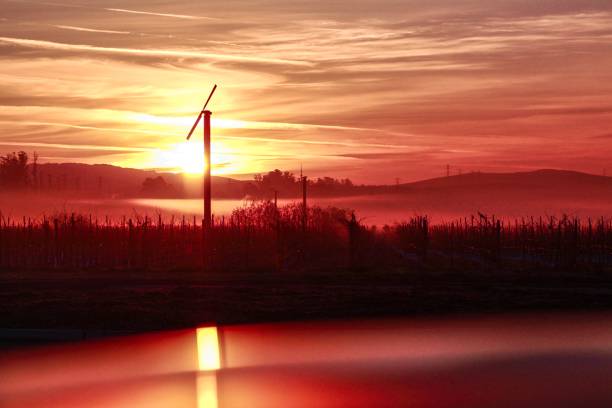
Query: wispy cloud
222, 123
116, 10
105, 129
318, 142
73, 146
51, 45
90, 30
150, 13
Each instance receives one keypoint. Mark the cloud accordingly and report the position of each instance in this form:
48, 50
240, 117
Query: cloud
90, 30
315, 142
149, 13
105, 129
225, 123
50, 45
72, 146
408, 85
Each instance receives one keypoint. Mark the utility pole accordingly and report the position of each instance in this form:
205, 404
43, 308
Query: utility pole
35, 172
304, 202
207, 179
206, 190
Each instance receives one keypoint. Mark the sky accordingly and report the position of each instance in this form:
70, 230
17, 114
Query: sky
371, 90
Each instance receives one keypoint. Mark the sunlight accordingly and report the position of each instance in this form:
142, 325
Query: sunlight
209, 361
185, 122
186, 157
208, 349
206, 390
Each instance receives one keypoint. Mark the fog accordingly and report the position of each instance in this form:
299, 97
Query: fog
371, 209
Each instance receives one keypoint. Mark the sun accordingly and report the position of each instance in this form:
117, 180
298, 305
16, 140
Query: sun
188, 158
184, 157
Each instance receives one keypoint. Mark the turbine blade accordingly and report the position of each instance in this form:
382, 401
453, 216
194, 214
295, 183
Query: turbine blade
194, 125
210, 96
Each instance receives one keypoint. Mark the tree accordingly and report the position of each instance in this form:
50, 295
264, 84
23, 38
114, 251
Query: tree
157, 187
14, 170
283, 181
288, 184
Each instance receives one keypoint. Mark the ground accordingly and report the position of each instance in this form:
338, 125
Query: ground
137, 301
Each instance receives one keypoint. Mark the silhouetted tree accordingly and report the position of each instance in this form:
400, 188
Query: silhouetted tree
157, 187
14, 170
251, 190
287, 183
331, 186
276, 180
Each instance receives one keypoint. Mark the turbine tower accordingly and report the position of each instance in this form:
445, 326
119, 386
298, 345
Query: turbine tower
207, 222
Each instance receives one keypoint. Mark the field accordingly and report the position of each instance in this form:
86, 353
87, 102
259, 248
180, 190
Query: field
268, 264
265, 237
136, 302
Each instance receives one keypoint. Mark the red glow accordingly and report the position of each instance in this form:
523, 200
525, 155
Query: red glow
514, 361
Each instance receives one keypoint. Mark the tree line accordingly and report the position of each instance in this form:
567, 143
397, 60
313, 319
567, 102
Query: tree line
18, 170
15, 171
288, 184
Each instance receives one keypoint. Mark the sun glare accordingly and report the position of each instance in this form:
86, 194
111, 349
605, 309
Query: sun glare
188, 158
207, 390
185, 157
208, 349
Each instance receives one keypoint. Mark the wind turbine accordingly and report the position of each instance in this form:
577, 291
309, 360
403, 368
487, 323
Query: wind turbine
207, 181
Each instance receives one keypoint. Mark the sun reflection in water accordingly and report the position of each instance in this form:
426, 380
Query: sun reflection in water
208, 362
206, 384
208, 349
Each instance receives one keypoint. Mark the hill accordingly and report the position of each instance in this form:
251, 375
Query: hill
108, 180
543, 180
541, 192
127, 182
106, 189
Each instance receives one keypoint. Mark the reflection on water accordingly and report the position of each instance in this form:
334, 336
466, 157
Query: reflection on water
536, 361
206, 389
208, 349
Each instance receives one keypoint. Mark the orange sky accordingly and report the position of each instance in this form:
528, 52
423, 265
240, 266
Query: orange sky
371, 90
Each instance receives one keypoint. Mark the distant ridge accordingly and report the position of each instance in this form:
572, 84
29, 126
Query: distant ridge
544, 178
108, 179
545, 192
470, 187
542, 192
